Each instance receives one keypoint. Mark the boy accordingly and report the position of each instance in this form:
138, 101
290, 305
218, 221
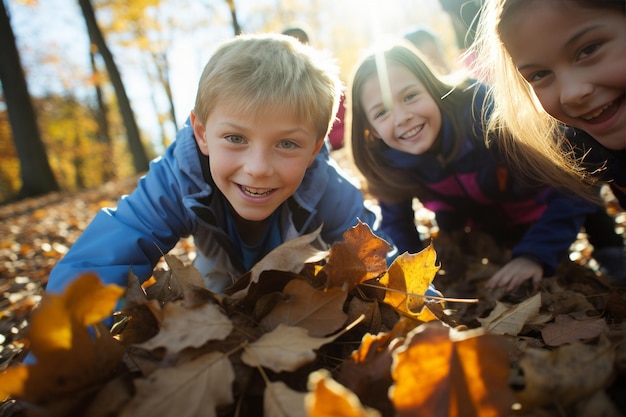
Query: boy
248, 172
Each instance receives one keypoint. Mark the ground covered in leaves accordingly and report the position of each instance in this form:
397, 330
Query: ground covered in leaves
560, 347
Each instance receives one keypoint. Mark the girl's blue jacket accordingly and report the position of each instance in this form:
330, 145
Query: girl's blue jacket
176, 199
466, 184
609, 164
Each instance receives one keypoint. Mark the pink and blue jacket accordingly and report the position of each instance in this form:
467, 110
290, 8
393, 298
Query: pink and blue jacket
465, 183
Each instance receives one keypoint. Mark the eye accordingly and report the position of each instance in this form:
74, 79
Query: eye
288, 145
410, 97
380, 113
537, 76
235, 139
588, 50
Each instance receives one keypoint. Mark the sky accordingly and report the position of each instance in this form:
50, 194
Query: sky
53, 42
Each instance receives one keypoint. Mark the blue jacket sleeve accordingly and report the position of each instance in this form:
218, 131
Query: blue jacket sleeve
398, 222
341, 205
146, 224
548, 240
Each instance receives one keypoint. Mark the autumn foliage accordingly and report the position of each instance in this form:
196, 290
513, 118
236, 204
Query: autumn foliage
313, 333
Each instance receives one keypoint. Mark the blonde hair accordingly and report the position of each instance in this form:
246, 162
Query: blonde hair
268, 72
531, 139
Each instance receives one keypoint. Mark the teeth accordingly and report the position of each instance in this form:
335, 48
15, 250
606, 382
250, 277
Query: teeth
256, 192
597, 113
412, 132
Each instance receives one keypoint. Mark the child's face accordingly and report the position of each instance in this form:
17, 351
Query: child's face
256, 162
575, 61
414, 120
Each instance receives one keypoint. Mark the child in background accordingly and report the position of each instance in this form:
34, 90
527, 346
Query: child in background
430, 46
413, 136
248, 172
558, 69
336, 134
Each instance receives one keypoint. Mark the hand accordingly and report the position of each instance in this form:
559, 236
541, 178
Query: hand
514, 273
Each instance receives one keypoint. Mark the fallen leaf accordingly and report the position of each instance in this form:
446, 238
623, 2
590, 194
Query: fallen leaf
283, 349
441, 371
192, 389
183, 327
329, 398
565, 330
290, 256
367, 372
68, 357
281, 401
165, 288
360, 257
190, 281
408, 278
507, 319
318, 311
565, 374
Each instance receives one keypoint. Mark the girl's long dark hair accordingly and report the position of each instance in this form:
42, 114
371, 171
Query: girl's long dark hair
385, 181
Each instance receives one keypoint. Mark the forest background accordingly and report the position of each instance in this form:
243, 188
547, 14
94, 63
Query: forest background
94, 89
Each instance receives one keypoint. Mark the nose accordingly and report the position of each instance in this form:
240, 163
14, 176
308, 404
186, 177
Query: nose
258, 163
574, 91
401, 115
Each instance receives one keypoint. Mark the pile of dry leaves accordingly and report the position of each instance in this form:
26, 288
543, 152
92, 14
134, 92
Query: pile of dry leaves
330, 333
304, 332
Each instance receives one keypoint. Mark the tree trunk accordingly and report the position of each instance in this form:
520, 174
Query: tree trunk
163, 72
35, 172
137, 150
233, 15
102, 118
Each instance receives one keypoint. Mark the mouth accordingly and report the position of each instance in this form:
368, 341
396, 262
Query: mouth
602, 114
412, 132
256, 192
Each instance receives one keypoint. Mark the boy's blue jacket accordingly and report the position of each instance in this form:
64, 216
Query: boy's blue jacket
175, 199
465, 183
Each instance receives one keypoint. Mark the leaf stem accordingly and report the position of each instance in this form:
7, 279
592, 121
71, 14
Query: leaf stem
430, 297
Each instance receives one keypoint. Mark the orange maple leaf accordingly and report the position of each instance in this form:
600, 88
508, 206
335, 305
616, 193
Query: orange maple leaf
68, 356
361, 256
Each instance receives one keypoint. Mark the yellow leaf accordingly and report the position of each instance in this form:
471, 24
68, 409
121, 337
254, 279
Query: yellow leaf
68, 356
408, 278
329, 398
89, 302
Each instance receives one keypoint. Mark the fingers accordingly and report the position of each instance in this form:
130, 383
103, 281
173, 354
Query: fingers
514, 273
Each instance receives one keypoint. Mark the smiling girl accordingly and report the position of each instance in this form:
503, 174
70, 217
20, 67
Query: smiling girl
559, 66
414, 136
